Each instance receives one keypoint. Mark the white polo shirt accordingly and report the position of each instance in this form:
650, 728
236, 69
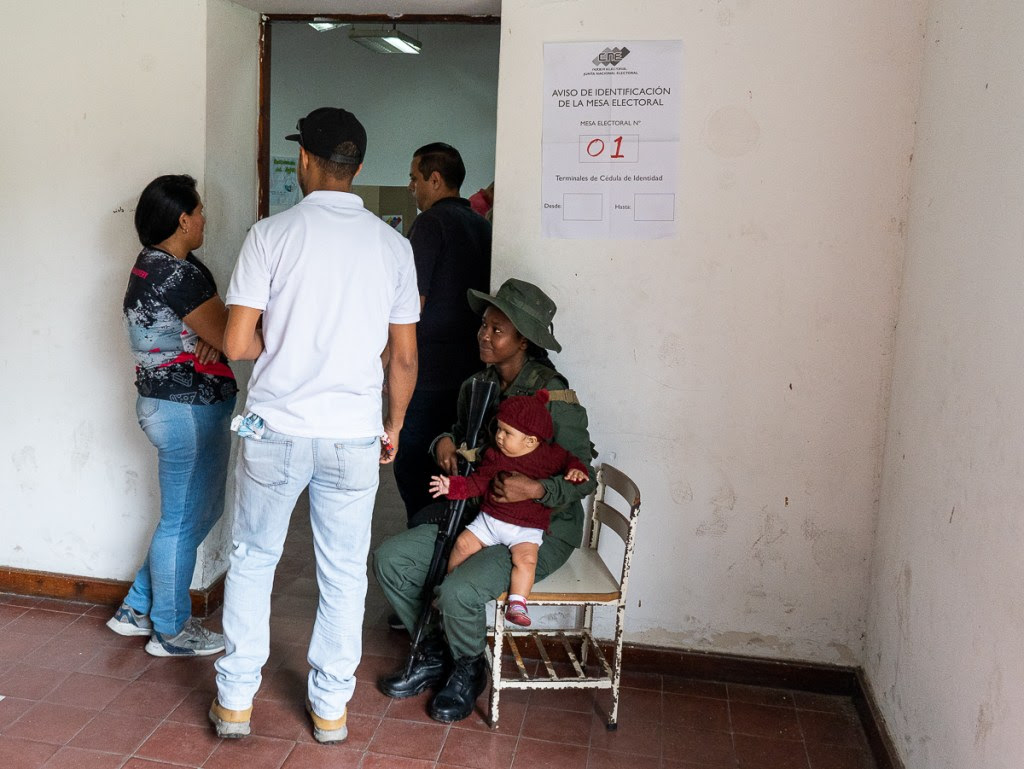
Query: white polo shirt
329, 276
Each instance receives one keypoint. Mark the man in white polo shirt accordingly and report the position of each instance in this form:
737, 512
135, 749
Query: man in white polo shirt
333, 285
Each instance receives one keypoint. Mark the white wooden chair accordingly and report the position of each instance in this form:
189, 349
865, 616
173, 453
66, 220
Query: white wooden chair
584, 581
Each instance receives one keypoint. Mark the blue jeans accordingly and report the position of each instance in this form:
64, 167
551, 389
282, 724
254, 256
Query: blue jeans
192, 444
271, 472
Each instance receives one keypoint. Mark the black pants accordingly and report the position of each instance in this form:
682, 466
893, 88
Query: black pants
430, 413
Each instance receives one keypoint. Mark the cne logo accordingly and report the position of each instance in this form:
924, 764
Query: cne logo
611, 57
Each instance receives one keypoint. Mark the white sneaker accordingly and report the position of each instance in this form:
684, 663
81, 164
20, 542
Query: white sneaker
193, 641
127, 621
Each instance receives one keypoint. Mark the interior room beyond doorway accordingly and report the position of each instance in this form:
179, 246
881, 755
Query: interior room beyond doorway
447, 92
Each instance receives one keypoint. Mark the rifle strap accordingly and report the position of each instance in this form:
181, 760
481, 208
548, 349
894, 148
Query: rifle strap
563, 396
467, 453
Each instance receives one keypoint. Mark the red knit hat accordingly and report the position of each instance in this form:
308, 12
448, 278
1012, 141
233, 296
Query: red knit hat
527, 414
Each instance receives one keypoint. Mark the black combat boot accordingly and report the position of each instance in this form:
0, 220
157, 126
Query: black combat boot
456, 699
429, 670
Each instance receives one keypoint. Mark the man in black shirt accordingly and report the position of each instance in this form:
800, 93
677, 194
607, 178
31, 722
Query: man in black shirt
451, 244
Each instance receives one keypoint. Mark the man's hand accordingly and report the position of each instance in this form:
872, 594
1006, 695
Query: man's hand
389, 444
447, 459
515, 487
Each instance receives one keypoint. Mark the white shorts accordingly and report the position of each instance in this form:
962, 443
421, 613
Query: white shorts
490, 531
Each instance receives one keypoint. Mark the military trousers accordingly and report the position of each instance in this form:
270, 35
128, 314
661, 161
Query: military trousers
401, 564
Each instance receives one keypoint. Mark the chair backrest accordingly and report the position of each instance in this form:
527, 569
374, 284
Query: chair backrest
603, 513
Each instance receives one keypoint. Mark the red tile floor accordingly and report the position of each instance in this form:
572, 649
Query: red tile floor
77, 696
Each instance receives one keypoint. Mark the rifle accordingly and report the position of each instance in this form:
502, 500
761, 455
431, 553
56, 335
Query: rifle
481, 395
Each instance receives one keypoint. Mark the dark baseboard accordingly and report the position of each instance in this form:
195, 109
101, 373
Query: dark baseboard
709, 666
737, 669
882, 746
105, 592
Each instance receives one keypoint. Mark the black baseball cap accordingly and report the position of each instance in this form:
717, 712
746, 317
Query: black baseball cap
325, 128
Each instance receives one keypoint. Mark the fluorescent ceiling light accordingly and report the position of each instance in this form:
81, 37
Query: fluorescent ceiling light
386, 41
322, 24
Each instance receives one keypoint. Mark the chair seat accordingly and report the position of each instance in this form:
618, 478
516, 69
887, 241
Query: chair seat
584, 577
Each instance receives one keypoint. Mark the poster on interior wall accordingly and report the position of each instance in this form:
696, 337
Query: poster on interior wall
611, 139
284, 184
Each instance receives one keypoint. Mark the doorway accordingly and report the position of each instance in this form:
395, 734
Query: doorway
447, 92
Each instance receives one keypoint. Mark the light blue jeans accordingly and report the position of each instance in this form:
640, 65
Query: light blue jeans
271, 472
192, 449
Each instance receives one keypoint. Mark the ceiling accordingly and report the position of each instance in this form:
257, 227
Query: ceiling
391, 7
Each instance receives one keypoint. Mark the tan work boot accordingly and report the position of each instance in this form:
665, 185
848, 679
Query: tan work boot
231, 724
325, 731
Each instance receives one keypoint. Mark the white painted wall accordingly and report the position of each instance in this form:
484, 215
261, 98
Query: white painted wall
946, 620
97, 102
448, 93
740, 371
232, 91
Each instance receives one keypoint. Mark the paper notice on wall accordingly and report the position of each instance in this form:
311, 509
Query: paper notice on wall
284, 183
611, 139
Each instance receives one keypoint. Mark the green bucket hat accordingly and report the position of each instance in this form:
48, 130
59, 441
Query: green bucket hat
529, 309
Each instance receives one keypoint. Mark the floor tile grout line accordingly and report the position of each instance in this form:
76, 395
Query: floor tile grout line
803, 737
732, 731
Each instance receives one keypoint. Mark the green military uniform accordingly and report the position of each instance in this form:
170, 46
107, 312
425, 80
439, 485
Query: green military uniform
401, 563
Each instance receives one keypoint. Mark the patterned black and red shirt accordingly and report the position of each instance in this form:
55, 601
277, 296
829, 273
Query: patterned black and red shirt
161, 291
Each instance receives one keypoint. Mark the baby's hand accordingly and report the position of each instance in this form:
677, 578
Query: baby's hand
439, 485
576, 476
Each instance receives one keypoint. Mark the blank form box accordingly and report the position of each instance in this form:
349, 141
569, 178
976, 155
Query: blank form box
654, 207
583, 206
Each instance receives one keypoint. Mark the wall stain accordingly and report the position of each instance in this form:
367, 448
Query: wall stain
756, 644
773, 528
754, 233
904, 583
986, 720
81, 445
718, 525
681, 491
670, 351
830, 550
731, 132
131, 483
25, 464
25, 459
903, 586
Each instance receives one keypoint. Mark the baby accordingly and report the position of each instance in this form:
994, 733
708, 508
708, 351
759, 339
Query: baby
524, 432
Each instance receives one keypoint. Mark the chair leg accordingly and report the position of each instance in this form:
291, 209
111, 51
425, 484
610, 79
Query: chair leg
613, 716
499, 629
